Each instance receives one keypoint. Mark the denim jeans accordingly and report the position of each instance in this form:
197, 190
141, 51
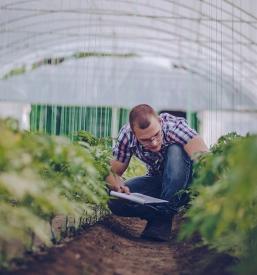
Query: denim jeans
176, 177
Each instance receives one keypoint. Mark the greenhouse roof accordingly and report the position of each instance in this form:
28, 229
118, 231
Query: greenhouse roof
193, 54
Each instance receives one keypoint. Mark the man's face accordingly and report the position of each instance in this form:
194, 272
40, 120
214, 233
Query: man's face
151, 137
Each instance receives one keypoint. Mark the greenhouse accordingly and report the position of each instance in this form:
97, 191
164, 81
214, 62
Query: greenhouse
71, 74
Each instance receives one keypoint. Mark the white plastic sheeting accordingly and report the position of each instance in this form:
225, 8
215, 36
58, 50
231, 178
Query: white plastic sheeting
216, 124
213, 42
121, 83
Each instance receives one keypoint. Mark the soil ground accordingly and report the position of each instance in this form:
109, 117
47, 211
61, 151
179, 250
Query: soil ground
114, 246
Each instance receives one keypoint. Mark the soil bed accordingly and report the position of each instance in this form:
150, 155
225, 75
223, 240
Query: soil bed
114, 247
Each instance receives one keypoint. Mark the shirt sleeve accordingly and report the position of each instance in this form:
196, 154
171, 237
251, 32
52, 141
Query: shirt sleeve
180, 132
121, 150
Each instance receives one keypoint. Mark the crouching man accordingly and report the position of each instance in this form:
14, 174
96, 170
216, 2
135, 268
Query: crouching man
166, 144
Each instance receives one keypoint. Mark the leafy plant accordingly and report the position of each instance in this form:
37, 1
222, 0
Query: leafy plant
224, 196
41, 177
135, 168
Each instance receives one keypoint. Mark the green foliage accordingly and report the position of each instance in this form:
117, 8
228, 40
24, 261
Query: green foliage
248, 262
103, 54
224, 197
99, 148
59, 60
88, 138
91, 140
210, 166
15, 71
43, 176
136, 168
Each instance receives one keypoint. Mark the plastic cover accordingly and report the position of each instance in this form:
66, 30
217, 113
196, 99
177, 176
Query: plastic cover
209, 49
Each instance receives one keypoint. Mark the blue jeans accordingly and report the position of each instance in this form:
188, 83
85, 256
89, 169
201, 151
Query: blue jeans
177, 175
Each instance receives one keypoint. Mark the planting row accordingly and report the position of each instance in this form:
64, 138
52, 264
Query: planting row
224, 199
42, 177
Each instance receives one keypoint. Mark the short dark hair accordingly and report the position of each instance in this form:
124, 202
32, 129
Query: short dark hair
140, 115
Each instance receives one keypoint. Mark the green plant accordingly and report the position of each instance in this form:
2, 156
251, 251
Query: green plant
224, 196
41, 177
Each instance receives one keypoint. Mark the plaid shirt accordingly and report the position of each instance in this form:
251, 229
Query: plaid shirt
175, 130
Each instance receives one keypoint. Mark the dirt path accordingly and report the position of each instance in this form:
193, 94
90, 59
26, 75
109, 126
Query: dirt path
114, 247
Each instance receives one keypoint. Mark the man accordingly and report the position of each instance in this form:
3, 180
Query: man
167, 145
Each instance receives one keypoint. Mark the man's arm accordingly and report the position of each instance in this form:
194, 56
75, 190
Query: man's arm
194, 146
114, 179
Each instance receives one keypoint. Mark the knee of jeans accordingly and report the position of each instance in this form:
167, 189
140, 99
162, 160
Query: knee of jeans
177, 180
177, 155
175, 151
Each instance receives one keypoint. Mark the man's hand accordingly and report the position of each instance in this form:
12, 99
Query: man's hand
115, 183
114, 179
119, 186
123, 189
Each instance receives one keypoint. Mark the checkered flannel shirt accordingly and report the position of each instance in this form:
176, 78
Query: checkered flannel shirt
174, 129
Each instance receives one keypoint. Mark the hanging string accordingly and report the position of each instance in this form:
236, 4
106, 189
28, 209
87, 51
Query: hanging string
216, 71
233, 72
221, 67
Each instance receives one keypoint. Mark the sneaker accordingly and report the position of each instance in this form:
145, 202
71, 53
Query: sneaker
158, 229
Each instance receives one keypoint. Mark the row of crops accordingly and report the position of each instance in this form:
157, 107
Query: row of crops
46, 177
42, 177
224, 200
